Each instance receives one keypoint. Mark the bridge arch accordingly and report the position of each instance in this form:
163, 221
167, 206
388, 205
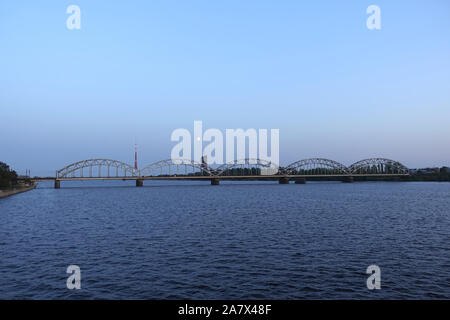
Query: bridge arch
245, 167
181, 167
316, 166
104, 166
378, 166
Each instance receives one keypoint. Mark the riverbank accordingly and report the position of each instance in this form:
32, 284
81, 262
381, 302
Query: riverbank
13, 191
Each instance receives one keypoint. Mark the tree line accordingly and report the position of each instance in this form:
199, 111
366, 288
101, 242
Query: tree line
8, 177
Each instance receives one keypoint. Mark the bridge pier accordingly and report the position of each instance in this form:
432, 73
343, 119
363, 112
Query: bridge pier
348, 179
139, 183
300, 180
57, 184
215, 182
283, 181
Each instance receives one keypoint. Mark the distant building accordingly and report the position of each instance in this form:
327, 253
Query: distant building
425, 171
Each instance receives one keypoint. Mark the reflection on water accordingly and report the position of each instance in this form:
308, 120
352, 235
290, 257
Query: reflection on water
239, 240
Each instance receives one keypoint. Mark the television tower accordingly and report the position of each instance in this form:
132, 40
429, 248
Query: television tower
135, 157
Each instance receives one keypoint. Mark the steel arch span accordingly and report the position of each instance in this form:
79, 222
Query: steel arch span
378, 166
247, 167
316, 166
175, 167
104, 166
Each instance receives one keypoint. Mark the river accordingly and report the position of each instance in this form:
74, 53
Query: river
239, 240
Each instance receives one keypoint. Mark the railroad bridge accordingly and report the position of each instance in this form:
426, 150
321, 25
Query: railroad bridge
244, 169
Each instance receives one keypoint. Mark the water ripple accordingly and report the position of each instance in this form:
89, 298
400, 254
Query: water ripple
234, 241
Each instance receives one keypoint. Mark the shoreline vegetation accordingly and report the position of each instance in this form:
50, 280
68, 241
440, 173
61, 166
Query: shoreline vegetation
17, 189
10, 183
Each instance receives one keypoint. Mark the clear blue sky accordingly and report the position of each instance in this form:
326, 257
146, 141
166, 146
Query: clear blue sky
140, 69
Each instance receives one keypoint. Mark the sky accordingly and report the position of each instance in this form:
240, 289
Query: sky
137, 70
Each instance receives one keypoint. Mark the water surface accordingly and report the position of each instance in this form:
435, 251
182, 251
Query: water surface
239, 240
